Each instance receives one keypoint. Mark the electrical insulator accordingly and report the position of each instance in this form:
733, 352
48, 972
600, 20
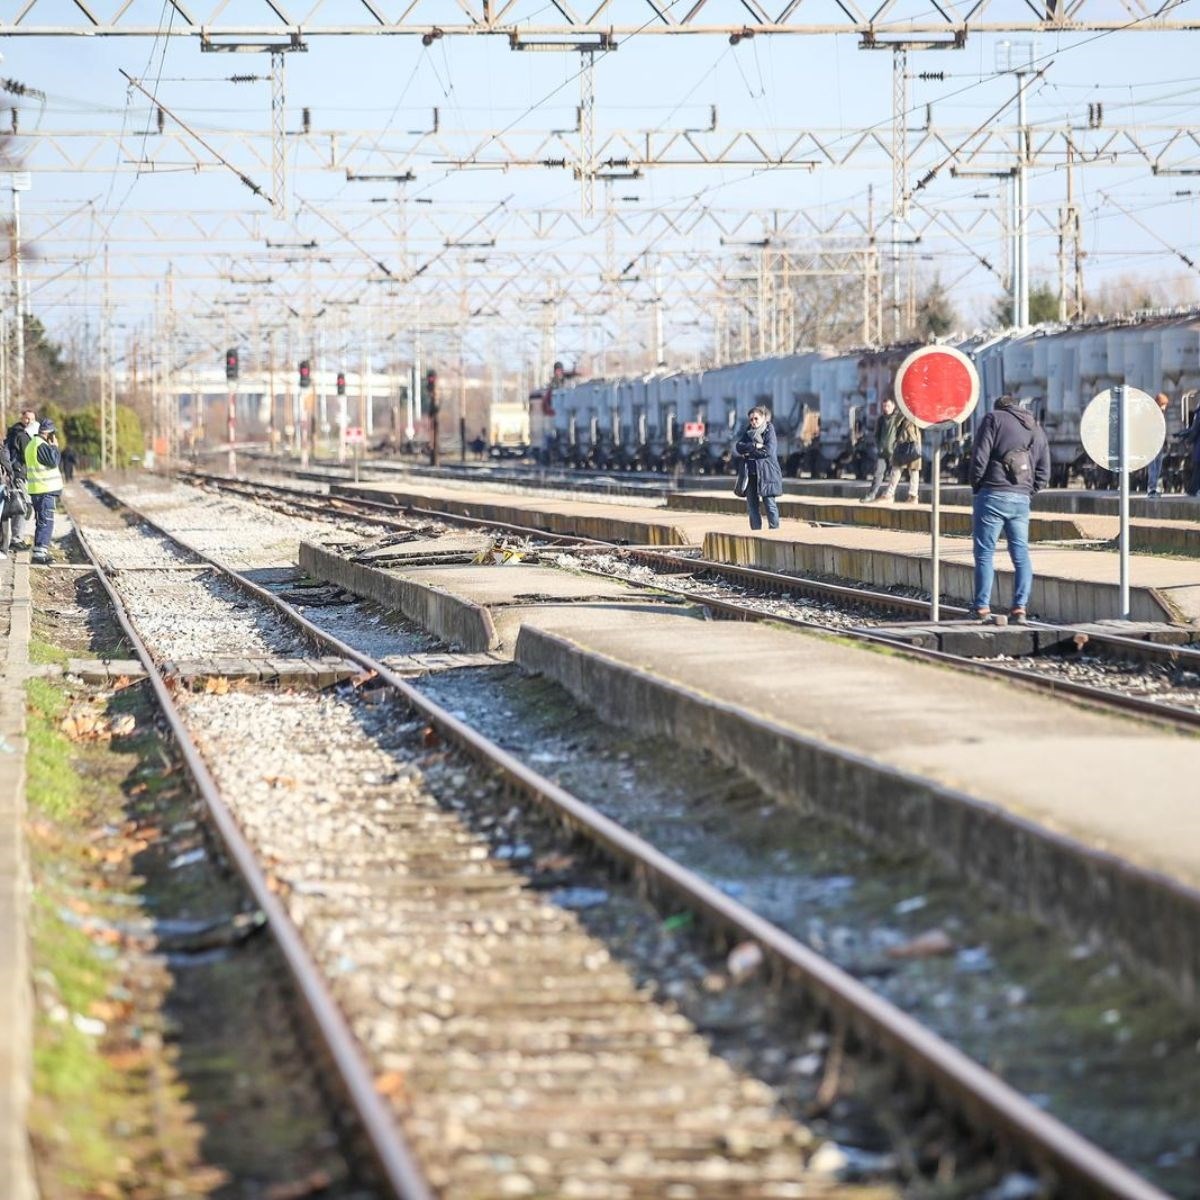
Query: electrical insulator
341, 383
305, 374
231, 364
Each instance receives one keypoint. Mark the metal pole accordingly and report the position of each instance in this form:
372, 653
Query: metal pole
231, 422
19, 328
1022, 205
935, 529
1123, 502
322, 397
410, 428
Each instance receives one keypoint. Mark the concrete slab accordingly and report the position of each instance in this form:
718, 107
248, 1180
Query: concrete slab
450, 543
482, 608
572, 518
913, 518
104, 671
1069, 585
16, 1024
1004, 785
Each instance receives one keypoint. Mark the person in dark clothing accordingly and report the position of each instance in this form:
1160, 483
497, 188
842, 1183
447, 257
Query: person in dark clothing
758, 448
1191, 437
1010, 460
897, 449
15, 440
69, 459
7, 483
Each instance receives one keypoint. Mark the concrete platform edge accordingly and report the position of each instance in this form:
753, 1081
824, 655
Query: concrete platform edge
589, 525
1065, 601
16, 1002
1147, 918
455, 621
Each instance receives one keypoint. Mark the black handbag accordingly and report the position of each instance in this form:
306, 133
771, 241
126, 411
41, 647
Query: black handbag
741, 485
906, 453
16, 503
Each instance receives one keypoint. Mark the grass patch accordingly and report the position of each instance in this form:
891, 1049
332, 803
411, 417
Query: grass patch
75, 1089
44, 653
52, 787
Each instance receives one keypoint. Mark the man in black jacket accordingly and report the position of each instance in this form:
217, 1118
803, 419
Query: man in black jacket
16, 439
1010, 460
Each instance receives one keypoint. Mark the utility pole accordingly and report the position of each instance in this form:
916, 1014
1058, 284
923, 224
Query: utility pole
1022, 297
414, 393
105, 367
272, 428
365, 398
899, 169
172, 397
279, 197
19, 181
4, 380
587, 131
762, 298
660, 350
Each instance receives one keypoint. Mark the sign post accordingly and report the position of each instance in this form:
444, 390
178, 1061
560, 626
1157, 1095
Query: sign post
355, 437
1122, 429
936, 385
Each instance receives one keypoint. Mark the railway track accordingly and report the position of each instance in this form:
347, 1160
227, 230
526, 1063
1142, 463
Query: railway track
1074, 1166
664, 564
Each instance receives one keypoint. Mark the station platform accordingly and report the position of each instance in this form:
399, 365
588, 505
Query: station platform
1022, 793
1165, 536
1070, 585
16, 1037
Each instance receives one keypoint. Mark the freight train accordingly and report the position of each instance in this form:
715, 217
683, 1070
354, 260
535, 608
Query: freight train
825, 402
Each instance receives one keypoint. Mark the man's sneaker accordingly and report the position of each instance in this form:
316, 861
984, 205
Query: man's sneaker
914, 499
982, 615
886, 499
16, 544
1017, 616
869, 498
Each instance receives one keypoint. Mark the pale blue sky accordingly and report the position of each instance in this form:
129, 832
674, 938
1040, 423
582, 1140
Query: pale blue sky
768, 84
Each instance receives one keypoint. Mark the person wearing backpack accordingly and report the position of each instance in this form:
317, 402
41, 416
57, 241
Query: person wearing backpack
1010, 460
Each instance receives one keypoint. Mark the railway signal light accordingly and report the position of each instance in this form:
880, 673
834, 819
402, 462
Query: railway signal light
305, 373
431, 391
341, 383
231, 364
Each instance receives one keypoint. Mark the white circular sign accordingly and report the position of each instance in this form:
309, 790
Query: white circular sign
1100, 433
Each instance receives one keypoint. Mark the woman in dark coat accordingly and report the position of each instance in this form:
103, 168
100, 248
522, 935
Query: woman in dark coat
757, 448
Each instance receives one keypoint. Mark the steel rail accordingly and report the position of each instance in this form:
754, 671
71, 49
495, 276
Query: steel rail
393, 1158
1080, 1168
667, 562
234, 485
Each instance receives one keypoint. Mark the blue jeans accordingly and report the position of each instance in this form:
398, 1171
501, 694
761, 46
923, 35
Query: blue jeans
1156, 465
753, 500
43, 513
992, 512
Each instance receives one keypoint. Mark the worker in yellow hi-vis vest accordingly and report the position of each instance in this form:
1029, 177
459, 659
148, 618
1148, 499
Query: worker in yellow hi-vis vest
44, 476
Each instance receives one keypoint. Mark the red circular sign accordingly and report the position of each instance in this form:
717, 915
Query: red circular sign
937, 384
